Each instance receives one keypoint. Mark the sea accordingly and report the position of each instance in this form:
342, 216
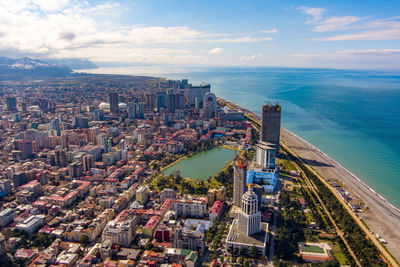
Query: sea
353, 116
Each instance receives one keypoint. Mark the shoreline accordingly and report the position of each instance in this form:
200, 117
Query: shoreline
326, 155
381, 216
349, 172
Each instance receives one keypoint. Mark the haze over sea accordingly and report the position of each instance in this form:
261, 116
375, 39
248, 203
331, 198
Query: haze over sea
353, 116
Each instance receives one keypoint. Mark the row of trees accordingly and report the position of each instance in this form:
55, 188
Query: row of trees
364, 249
291, 221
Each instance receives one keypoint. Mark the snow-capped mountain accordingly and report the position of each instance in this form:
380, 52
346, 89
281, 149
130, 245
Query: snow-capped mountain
29, 63
28, 68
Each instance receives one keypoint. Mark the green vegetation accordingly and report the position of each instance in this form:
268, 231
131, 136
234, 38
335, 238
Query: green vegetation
291, 224
159, 181
313, 249
294, 227
363, 248
40, 240
84, 240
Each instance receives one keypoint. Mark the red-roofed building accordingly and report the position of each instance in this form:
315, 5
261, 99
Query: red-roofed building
216, 210
151, 225
166, 206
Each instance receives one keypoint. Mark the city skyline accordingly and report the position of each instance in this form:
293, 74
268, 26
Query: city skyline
356, 35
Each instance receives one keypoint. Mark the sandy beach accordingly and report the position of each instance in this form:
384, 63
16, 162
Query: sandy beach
381, 216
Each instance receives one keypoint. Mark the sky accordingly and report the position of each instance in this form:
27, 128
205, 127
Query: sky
285, 33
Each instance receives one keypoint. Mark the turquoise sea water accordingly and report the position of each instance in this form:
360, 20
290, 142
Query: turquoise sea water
353, 116
204, 164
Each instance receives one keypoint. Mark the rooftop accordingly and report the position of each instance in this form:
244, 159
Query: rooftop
235, 236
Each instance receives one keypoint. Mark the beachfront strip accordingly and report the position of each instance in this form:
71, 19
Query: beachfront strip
82, 181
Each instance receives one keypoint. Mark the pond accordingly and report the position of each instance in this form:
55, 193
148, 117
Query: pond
203, 164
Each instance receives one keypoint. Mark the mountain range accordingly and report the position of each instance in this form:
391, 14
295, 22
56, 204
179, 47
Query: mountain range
27, 68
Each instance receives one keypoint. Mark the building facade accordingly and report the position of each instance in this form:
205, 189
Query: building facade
249, 217
114, 101
271, 124
239, 181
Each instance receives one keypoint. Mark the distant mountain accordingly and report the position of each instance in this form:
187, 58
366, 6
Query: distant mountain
73, 63
28, 68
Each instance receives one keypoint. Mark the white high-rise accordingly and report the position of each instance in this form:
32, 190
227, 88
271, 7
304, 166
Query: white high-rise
249, 217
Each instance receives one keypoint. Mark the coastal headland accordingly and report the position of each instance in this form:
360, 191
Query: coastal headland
379, 216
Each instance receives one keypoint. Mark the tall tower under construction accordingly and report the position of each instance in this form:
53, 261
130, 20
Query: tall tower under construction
271, 124
239, 180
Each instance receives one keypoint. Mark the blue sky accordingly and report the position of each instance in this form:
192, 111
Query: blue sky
328, 34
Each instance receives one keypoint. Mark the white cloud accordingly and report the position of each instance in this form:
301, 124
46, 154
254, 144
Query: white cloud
363, 28
104, 6
270, 31
44, 5
389, 34
336, 23
251, 58
385, 59
216, 51
314, 12
62, 28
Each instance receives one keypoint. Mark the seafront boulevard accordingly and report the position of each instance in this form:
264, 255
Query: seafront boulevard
379, 217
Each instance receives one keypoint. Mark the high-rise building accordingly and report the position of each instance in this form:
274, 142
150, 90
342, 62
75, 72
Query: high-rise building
55, 125
75, 169
81, 122
180, 100
5, 187
23, 107
239, 180
11, 103
247, 231
265, 155
19, 178
249, 217
87, 162
209, 105
140, 110
193, 92
25, 146
171, 102
60, 156
98, 114
161, 100
132, 110
114, 101
149, 100
271, 124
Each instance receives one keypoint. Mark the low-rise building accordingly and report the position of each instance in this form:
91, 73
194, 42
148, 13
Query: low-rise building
31, 224
7, 216
190, 207
187, 238
151, 225
122, 229
216, 210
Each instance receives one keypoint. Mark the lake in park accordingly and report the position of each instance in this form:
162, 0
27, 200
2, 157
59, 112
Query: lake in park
203, 164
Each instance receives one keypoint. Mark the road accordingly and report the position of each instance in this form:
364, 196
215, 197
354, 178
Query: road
313, 188
322, 166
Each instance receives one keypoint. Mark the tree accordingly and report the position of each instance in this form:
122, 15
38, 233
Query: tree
254, 252
148, 246
243, 251
84, 240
